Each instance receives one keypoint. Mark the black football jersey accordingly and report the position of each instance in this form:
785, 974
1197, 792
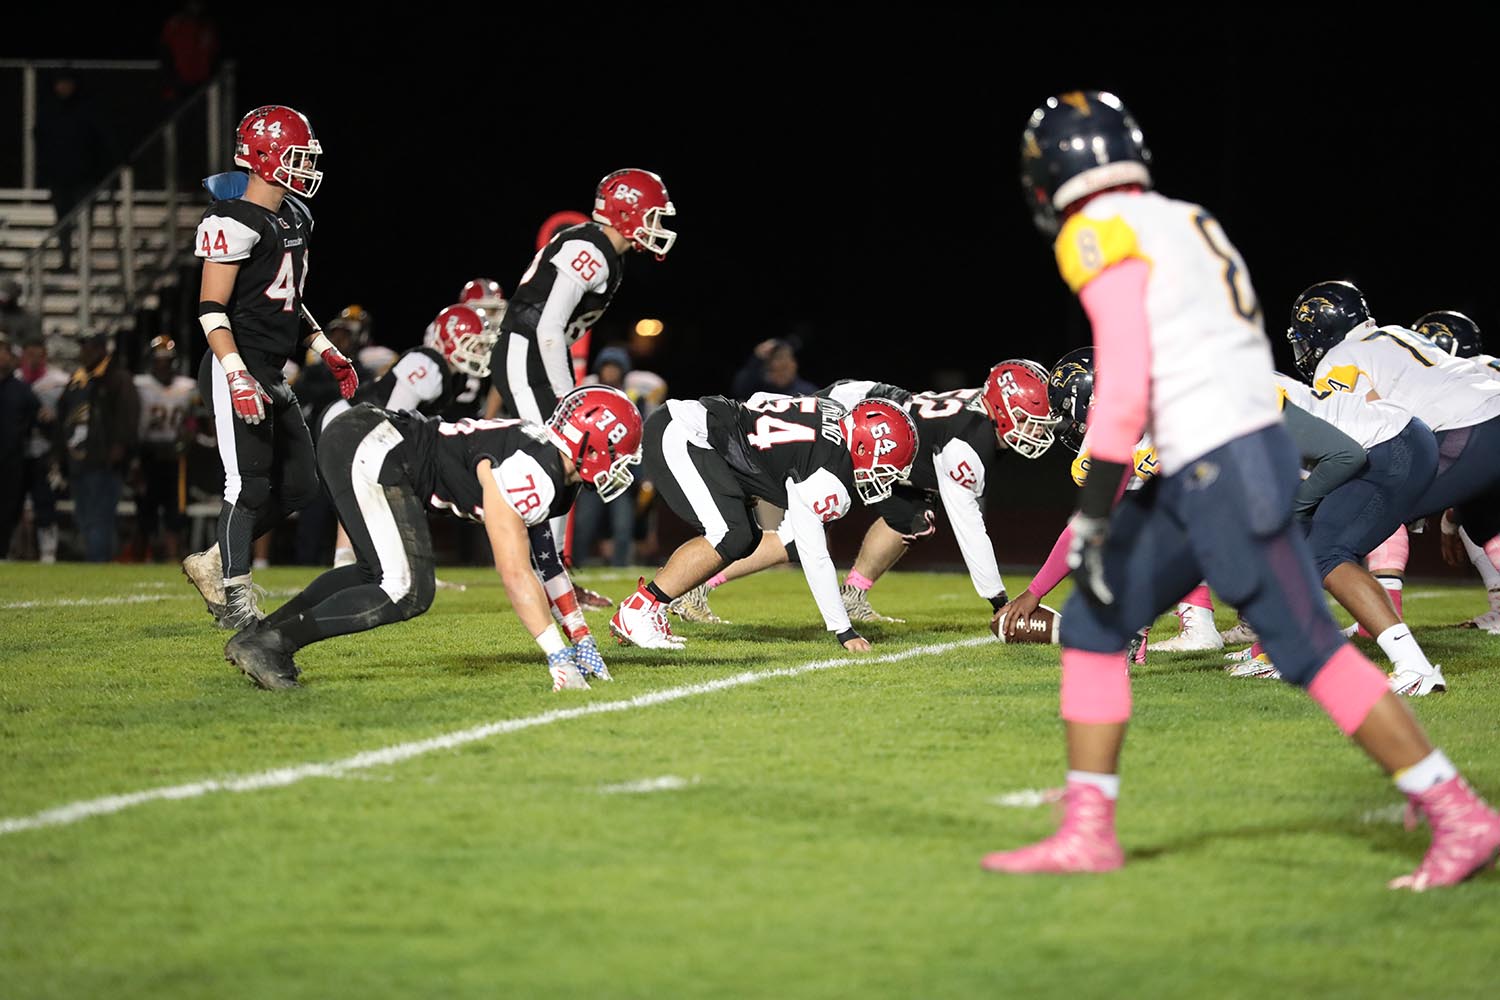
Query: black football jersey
785, 438
940, 418
271, 251
440, 458
466, 394
588, 255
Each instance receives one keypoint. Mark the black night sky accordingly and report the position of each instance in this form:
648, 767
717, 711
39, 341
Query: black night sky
850, 175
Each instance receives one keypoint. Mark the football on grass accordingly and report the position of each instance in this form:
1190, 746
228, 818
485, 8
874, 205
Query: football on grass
1040, 627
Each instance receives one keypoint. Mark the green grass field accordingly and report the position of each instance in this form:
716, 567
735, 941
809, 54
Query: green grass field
811, 834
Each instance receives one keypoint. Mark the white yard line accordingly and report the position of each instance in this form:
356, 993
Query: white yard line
91, 602
1028, 798
666, 783
280, 777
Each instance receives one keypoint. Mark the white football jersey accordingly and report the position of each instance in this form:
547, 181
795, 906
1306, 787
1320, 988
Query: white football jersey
163, 407
1407, 368
1211, 368
1366, 421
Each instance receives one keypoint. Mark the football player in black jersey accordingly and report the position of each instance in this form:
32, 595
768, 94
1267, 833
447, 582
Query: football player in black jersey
253, 242
958, 433
566, 289
711, 458
423, 380
385, 470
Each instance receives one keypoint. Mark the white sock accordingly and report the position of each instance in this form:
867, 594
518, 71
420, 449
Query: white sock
46, 544
1487, 571
1434, 769
1109, 784
1398, 643
343, 557
231, 581
1394, 583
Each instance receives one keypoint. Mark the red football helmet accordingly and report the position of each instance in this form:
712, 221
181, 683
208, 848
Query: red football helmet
601, 429
466, 337
277, 145
634, 203
1015, 397
882, 441
556, 223
483, 291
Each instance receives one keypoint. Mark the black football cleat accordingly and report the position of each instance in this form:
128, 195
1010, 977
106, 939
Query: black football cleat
260, 655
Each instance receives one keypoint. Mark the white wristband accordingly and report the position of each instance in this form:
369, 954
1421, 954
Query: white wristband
232, 362
551, 640
320, 343
213, 321
1449, 528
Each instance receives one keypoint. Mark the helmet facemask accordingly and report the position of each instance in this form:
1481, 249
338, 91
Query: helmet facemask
1030, 435
299, 171
651, 235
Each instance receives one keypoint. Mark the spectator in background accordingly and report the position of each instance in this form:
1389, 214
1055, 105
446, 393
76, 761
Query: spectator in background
166, 396
772, 368
589, 512
48, 382
18, 409
97, 429
15, 322
190, 50
71, 153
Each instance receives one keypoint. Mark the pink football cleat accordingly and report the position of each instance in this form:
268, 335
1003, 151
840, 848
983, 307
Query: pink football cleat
1465, 835
1085, 843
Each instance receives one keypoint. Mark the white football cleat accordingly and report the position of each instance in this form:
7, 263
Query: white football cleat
205, 571
693, 607
1259, 666
1197, 634
642, 621
1415, 684
1240, 634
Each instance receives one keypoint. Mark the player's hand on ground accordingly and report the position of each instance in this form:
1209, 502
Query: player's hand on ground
1086, 557
342, 369
247, 397
589, 660
859, 644
564, 671
1011, 617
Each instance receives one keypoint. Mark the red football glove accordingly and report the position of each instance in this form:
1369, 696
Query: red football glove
248, 398
343, 370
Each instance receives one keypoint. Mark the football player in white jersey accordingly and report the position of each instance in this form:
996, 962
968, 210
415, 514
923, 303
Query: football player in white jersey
166, 397
1339, 346
1169, 299
1460, 336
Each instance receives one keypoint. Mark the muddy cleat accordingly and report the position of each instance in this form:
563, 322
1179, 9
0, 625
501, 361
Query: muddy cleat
1085, 842
588, 659
591, 599
693, 607
1416, 684
564, 671
857, 604
1487, 622
1241, 633
1196, 635
241, 605
205, 571
1465, 835
261, 655
642, 621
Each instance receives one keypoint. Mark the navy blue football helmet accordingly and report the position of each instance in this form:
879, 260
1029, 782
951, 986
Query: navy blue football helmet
1070, 393
1321, 317
1452, 331
1075, 145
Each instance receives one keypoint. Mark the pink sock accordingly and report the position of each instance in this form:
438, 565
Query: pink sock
1347, 687
1198, 597
858, 580
1492, 549
716, 580
1095, 687
1256, 649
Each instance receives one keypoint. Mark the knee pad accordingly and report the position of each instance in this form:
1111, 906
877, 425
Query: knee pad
739, 541
254, 492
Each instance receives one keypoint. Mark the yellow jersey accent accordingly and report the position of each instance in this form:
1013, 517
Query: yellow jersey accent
1087, 246
1079, 100
1340, 378
1144, 459
1081, 468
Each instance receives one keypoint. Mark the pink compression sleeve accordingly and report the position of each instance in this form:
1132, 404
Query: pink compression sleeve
1347, 687
1116, 305
1095, 687
1055, 569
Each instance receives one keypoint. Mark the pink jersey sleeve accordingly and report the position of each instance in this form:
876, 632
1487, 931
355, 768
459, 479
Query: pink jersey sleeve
1055, 569
1116, 305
